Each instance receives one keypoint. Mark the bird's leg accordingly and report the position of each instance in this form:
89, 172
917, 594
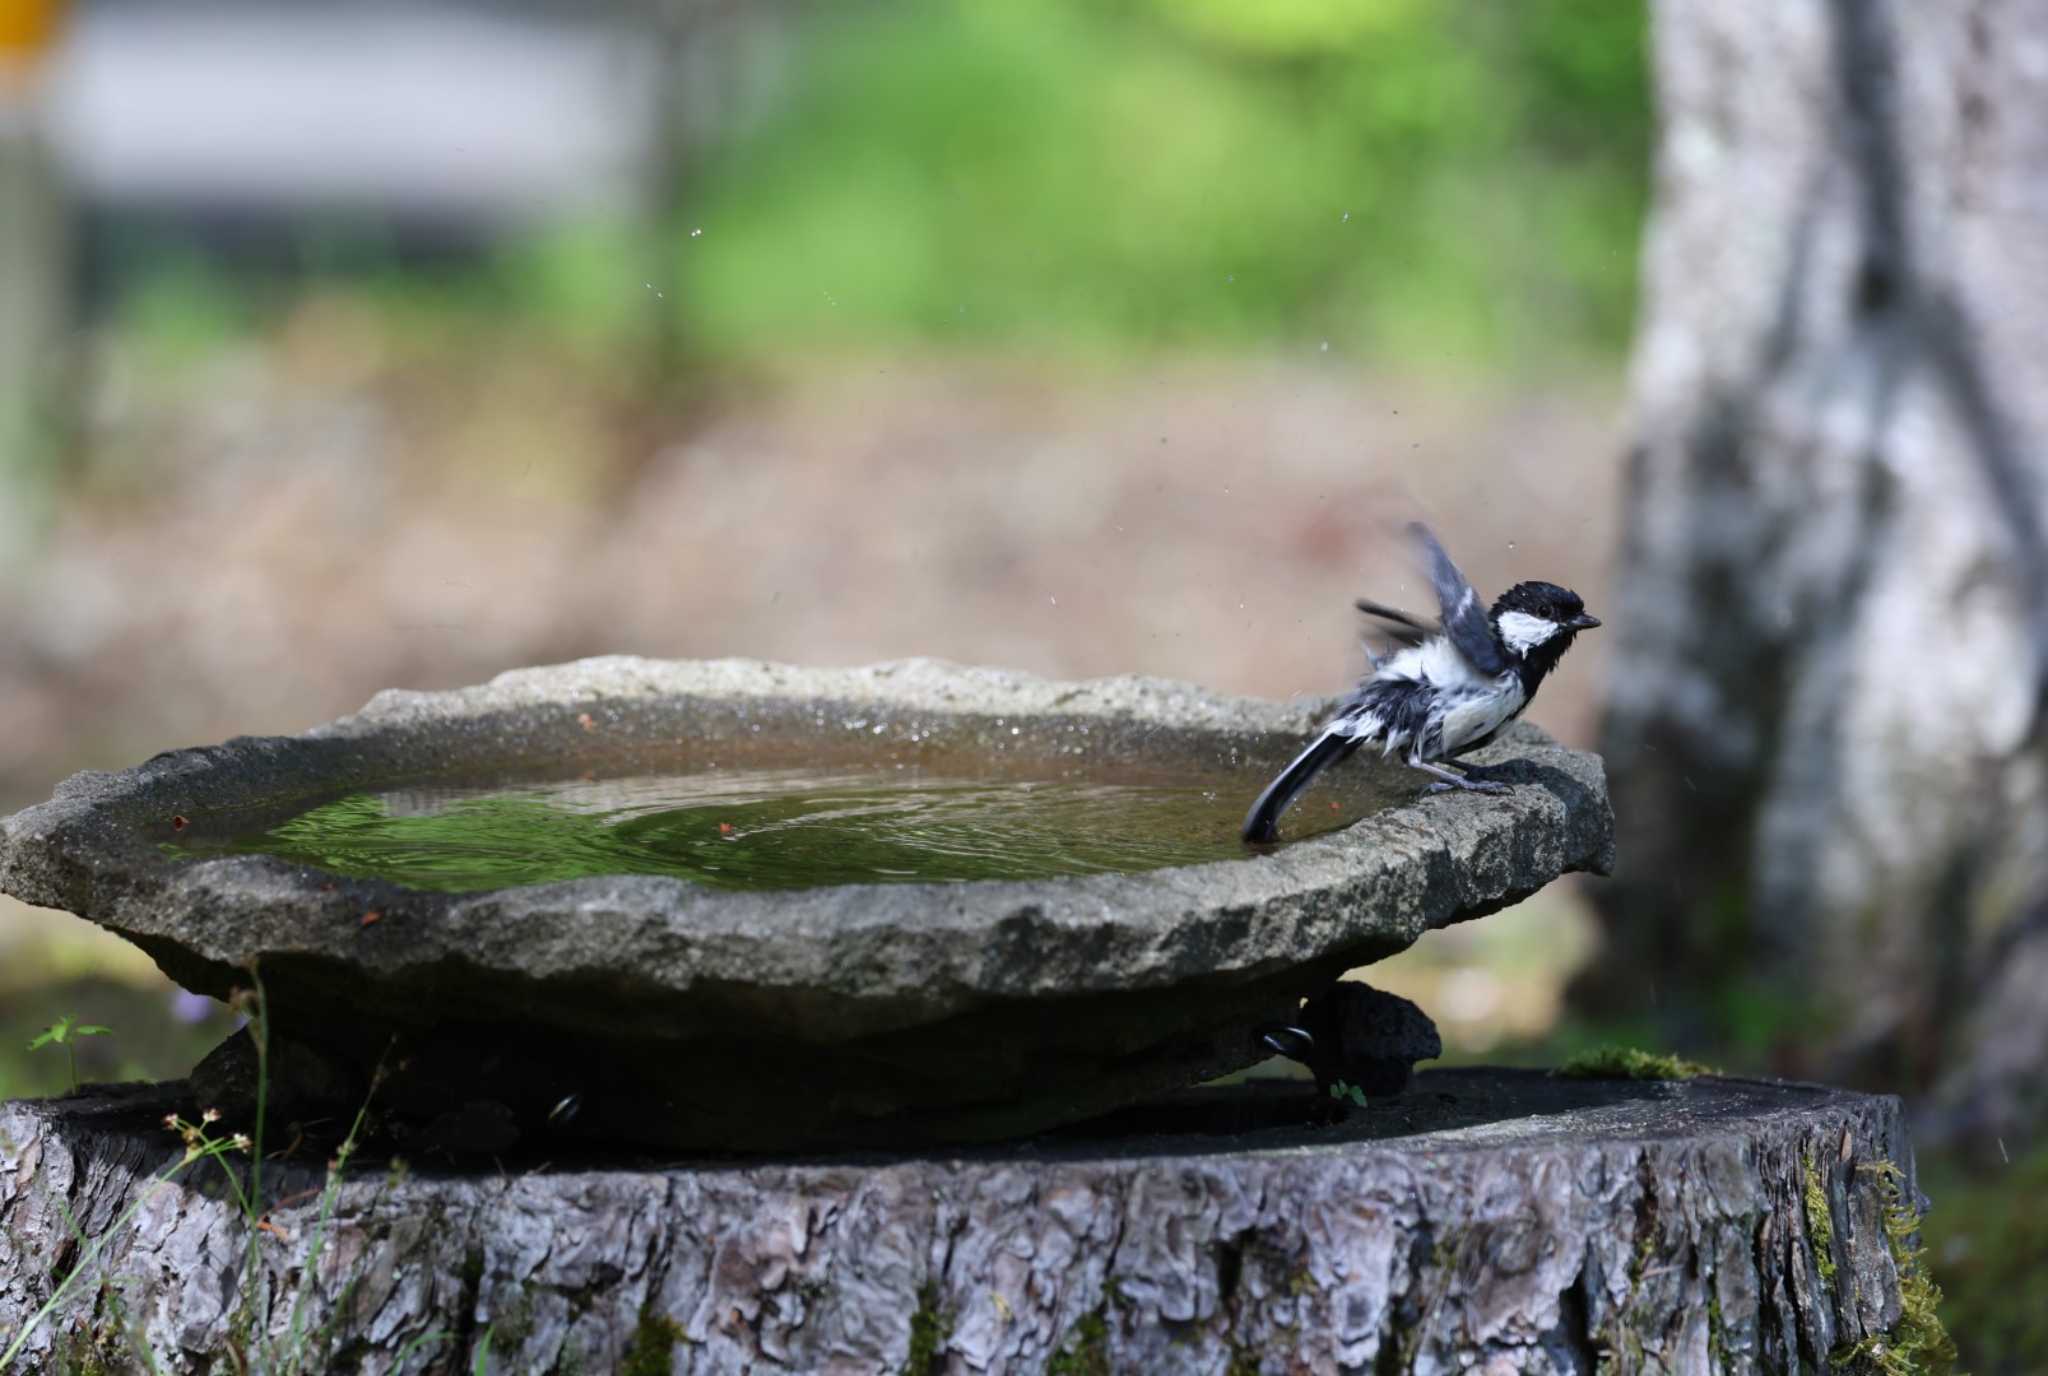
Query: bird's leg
1449, 781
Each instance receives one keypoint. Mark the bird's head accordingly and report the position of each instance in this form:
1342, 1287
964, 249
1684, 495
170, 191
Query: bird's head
1537, 621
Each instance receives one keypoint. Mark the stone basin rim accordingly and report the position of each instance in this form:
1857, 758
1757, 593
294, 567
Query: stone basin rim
1382, 881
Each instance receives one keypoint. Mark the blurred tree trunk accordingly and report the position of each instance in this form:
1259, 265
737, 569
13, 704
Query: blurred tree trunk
32, 313
1825, 722
720, 63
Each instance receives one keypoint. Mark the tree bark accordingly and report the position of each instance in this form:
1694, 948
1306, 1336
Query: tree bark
1498, 1221
1825, 723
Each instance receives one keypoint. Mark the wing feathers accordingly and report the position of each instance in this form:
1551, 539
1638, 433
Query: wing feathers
1464, 617
1396, 625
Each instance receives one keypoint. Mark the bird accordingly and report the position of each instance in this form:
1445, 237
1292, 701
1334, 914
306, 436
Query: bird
1446, 690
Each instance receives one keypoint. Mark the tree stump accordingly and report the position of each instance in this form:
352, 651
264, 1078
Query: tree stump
1500, 1221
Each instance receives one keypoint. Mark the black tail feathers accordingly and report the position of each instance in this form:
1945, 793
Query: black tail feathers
1262, 823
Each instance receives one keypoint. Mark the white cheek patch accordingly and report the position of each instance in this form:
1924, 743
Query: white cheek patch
1524, 632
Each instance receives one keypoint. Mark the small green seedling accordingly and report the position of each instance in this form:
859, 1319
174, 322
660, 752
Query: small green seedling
65, 1032
1347, 1092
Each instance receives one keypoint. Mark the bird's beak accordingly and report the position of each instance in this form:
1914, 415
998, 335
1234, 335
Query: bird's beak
1584, 621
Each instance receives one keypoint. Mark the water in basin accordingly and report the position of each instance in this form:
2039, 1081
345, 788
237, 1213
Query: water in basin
775, 828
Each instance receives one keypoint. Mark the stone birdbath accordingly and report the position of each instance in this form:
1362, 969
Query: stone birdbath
924, 1113
674, 1013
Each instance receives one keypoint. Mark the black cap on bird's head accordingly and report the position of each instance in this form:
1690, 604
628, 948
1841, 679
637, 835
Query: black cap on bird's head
1548, 601
1537, 621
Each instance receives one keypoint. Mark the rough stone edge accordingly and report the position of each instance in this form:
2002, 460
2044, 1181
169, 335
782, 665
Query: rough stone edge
911, 685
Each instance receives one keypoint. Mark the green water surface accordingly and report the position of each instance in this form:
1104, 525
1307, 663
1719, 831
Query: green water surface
762, 829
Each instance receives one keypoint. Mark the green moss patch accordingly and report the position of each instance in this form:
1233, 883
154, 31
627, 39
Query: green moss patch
930, 1328
1918, 1344
1820, 1221
1627, 1063
1086, 1352
654, 1344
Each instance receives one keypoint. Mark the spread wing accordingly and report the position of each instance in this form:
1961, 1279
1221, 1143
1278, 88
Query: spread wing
1464, 616
1399, 627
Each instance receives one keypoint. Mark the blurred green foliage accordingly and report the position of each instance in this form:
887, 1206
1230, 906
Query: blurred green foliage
182, 308
1449, 185
1987, 1242
1442, 183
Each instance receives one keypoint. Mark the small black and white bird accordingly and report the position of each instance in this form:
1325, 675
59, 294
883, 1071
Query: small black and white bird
1446, 690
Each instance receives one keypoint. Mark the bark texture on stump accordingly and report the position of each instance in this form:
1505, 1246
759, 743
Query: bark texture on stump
1501, 1221
1825, 723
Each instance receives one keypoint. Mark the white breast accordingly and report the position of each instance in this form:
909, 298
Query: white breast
1476, 711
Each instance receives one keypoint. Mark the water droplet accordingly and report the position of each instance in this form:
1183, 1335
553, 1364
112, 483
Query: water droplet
697, 233
1054, 600
1511, 546
1346, 219
1231, 278
1326, 346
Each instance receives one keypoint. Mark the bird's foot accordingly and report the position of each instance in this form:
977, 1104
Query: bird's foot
1469, 786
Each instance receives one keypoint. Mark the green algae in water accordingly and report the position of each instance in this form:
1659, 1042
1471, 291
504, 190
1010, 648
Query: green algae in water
761, 829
